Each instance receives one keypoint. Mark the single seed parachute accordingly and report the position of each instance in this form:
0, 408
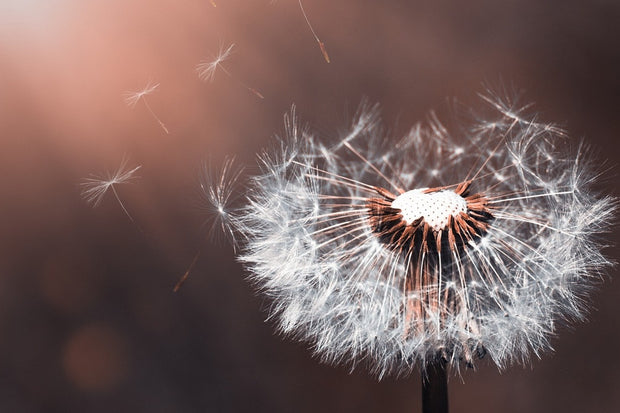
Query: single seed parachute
441, 245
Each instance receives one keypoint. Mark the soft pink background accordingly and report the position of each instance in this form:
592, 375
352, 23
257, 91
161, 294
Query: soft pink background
88, 320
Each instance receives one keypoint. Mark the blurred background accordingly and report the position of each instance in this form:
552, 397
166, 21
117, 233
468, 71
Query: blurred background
88, 318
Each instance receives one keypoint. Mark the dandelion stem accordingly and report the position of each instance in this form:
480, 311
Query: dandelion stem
321, 44
251, 89
121, 203
435, 389
155, 116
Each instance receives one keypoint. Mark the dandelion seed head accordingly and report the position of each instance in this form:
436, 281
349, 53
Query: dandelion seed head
397, 254
436, 208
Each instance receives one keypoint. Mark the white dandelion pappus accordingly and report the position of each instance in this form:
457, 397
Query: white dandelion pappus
132, 99
95, 187
206, 70
217, 195
437, 246
217, 189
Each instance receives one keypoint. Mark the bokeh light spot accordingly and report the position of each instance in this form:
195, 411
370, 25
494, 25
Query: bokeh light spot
95, 358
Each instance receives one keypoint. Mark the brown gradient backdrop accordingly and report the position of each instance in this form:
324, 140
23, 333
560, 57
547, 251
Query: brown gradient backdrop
88, 320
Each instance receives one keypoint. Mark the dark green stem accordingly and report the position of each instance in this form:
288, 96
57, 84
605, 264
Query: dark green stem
435, 389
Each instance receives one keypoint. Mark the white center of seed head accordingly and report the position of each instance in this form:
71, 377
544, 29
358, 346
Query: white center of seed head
435, 207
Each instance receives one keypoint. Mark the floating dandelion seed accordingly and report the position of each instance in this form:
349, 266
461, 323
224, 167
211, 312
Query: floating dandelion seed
217, 190
185, 275
321, 44
206, 70
132, 99
438, 248
216, 198
213, 3
95, 188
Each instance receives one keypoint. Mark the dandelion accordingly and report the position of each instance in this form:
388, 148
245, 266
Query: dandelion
431, 250
206, 70
132, 99
95, 187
